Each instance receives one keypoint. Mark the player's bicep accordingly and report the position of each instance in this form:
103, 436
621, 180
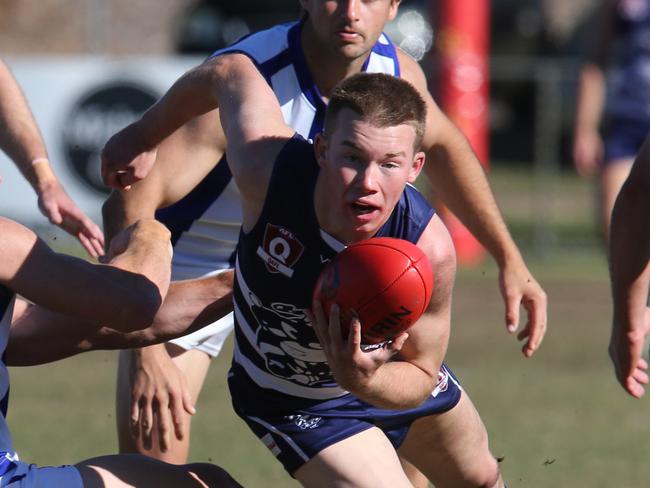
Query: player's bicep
16, 245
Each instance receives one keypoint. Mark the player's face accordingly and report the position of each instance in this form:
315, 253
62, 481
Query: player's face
364, 170
349, 27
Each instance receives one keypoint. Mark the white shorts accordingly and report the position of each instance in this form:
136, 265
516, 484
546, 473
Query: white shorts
24, 475
209, 339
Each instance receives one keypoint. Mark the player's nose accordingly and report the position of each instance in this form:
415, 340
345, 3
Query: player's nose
350, 10
367, 178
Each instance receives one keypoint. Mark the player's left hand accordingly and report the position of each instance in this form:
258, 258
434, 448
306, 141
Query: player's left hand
519, 288
59, 208
351, 366
160, 398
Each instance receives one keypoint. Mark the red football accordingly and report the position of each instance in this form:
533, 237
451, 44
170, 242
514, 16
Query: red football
386, 281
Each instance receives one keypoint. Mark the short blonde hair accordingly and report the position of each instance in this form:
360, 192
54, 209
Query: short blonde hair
380, 99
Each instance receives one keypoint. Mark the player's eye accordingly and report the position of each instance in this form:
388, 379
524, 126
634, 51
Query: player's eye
350, 158
390, 165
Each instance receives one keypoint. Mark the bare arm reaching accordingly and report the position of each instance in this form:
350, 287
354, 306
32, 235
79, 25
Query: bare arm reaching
41, 336
458, 178
630, 276
23, 143
128, 293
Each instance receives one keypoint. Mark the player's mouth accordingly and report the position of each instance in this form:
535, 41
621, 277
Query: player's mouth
348, 35
363, 211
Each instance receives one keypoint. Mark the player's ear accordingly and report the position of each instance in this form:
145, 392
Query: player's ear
416, 166
320, 149
394, 5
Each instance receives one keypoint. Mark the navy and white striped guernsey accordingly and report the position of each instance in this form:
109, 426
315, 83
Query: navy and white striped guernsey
7, 300
278, 263
205, 224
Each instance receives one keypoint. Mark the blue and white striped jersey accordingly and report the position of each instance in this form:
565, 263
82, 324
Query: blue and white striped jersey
205, 224
7, 300
278, 262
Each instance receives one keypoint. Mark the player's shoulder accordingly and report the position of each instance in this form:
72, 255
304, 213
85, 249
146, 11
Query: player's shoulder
262, 46
410, 70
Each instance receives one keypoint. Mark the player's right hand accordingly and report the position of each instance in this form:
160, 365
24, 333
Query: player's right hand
126, 158
352, 367
159, 395
625, 351
142, 233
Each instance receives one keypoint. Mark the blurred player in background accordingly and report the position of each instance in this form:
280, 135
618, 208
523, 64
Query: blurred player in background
23, 143
332, 414
624, 107
129, 291
630, 276
302, 62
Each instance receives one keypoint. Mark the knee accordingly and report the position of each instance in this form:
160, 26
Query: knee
489, 476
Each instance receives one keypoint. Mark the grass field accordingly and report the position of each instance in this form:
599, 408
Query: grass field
558, 420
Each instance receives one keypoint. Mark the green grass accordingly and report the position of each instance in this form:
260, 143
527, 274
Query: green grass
558, 419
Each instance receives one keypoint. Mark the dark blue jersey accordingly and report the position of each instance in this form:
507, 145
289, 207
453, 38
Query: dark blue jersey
205, 223
278, 262
629, 97
7, 299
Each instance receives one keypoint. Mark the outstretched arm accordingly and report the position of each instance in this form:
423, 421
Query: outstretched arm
23, 143
128, 293
458, 178
249, 113
41, 336
630, 276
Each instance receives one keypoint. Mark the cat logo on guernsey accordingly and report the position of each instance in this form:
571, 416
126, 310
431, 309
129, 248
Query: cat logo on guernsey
280, 250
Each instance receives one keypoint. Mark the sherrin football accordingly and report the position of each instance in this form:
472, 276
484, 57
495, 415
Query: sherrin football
386, 281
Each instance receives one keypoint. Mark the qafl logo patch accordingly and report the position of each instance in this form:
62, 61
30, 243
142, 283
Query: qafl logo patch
280, 250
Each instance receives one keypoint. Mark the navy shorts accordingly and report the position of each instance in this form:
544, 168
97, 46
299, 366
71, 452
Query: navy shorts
18, 474
294, 436
623, 138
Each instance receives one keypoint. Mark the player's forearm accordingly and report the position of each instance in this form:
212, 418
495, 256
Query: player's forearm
19, 134
591, 99
188, 306
193, 304
41, 336
459, 180
395, 385
630, 255
125, 299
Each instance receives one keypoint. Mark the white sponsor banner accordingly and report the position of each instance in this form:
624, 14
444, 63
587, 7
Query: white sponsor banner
78, 103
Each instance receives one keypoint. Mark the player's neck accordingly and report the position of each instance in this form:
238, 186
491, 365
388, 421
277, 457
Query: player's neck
327, 66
